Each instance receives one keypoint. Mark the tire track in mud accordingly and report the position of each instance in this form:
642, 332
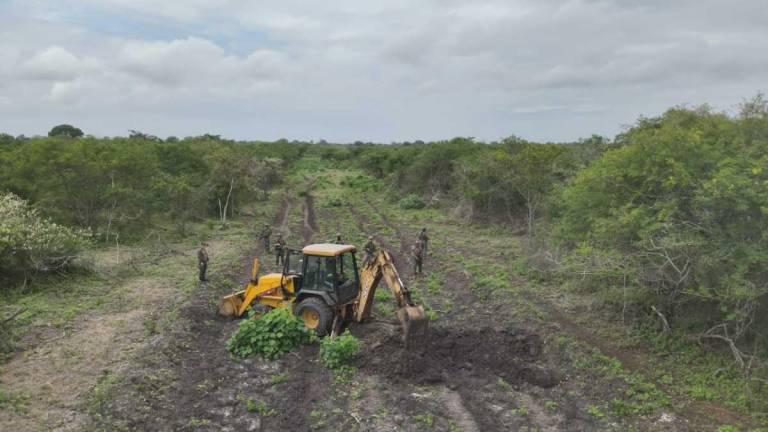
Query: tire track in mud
308, 383
697, 414
281, 217
186, 379
478, 312
309, 228
469, 416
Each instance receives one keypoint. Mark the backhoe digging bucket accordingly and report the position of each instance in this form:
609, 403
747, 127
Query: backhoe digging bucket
414, 322
230, 304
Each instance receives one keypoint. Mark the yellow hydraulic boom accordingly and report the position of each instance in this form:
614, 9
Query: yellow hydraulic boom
382, 266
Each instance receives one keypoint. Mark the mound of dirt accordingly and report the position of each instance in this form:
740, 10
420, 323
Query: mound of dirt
445, 355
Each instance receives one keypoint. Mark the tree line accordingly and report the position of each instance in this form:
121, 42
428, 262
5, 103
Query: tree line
115, 189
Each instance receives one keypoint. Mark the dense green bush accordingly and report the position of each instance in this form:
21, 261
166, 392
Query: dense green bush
272, 335
338, 351
412, 201
31, 243
676, 219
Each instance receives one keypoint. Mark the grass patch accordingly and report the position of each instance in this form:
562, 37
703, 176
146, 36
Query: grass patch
12, 401
426, 419
255, 406
638, 396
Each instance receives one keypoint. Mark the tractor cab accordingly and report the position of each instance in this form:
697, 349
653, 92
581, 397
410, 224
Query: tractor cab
328, 271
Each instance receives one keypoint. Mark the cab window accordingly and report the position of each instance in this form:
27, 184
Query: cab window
293, 262
347, 267
314, 274
330, 272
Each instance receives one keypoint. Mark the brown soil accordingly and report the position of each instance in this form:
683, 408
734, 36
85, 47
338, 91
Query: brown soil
448, 356
59, 372
281, 217
310, 224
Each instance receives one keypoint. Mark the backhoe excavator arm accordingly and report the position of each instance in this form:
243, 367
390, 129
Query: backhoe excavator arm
382, 265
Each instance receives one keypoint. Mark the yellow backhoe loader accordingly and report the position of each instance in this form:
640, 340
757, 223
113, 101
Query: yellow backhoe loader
323, 286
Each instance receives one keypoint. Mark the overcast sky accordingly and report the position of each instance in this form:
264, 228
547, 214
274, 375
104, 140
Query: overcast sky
389, 70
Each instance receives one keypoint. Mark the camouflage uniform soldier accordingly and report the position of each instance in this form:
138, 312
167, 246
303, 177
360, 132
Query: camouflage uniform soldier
423, 241
202, 261
416, 257
369, 250
264, 236
338, 239
279, 249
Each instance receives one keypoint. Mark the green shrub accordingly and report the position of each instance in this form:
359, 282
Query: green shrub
29, 242
676, 215
362, 183
271, 336
412, 202
338, 351
336, 201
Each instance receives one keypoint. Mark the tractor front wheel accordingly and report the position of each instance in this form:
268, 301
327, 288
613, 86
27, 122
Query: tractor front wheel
315, 314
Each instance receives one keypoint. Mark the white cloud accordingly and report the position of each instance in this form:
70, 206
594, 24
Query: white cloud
199, 65
65, 92
53, 63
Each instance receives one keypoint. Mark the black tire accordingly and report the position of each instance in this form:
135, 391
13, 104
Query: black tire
319, 311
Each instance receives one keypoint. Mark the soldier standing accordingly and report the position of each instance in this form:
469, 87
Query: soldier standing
416, 257
279, 249
369, 250
202, 261
264, 236
423, 241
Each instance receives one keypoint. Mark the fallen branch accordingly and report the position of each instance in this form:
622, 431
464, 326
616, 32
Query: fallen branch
355, 417
664, 321
13, 315
738, 355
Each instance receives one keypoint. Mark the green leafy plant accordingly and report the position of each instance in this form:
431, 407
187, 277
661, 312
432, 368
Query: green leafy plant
412, 202
30, 242
274, 334
426, 419
339, 351
595, 411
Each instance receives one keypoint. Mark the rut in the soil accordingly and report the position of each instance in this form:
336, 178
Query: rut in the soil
451, 356
281, 217
310, 224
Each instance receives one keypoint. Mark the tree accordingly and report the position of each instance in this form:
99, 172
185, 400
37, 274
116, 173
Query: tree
6, 138
534, 174
139, 135
66, 131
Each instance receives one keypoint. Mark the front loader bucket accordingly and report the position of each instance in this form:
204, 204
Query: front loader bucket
414, 322
230, 305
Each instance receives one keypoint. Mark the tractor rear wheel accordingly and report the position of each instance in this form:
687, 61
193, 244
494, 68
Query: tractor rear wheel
316, 315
